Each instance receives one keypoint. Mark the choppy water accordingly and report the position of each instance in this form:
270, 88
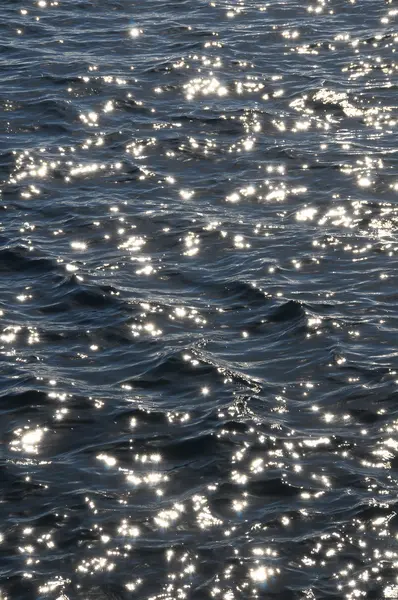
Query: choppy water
198, 284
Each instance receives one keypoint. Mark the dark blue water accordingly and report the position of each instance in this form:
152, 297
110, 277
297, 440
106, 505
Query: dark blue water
198, 293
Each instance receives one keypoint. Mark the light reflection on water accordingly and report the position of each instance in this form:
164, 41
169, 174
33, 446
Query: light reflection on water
198, 336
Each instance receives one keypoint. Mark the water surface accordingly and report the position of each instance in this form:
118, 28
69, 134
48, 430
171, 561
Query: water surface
198, 288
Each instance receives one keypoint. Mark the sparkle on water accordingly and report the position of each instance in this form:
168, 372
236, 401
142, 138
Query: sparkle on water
198, 337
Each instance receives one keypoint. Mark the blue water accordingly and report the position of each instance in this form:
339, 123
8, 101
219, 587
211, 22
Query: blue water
198, 294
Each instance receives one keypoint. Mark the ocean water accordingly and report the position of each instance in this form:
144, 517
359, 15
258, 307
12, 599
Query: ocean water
198, 294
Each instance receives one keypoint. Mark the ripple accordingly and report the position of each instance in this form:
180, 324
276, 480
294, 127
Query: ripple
198, 303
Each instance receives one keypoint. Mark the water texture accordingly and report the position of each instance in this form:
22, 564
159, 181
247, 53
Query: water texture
199, 306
